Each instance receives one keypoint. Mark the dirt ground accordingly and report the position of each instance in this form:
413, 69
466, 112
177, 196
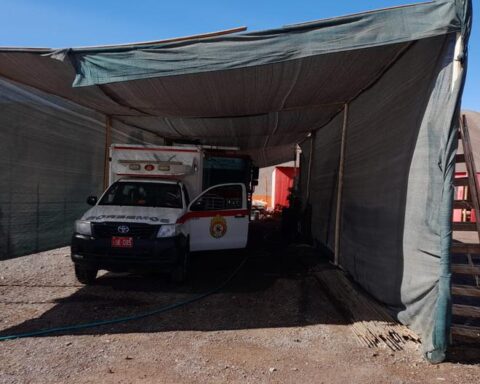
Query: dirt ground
271, 324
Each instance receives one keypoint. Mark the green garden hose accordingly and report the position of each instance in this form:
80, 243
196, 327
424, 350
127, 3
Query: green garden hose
167, 308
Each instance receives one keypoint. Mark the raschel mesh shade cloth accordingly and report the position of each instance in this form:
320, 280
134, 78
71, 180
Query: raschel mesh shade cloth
263, 92
395, 209
51, 159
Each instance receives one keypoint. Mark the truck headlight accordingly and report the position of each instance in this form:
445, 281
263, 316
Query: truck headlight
167, 230
83, 227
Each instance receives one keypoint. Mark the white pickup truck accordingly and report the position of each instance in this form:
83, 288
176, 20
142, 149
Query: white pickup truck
145, 218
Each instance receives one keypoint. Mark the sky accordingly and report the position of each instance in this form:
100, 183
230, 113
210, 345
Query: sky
66, 23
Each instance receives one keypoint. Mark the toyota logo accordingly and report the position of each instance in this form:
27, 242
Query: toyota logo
123, 229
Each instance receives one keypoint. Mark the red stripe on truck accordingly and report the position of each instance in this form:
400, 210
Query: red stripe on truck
146, 176
159, 149
197, 214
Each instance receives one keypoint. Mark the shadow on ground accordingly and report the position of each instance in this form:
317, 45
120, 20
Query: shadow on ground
273, 289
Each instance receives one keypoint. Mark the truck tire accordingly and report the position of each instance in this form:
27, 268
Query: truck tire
180, 271
85, 275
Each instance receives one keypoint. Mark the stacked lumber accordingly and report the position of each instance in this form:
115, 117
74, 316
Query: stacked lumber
369, 321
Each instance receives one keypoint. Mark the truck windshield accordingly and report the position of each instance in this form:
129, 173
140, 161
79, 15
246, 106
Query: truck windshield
138, 194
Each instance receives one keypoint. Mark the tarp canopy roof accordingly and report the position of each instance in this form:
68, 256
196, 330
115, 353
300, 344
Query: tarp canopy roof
262, 92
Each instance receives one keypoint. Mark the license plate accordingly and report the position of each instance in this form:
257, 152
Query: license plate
122, 242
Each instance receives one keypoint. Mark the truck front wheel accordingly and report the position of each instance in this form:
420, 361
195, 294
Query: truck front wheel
85, 275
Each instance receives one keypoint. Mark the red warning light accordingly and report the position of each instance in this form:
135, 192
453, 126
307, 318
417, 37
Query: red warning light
149, 167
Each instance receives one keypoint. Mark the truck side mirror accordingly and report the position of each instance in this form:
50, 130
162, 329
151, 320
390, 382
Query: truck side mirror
92, 200
254, 182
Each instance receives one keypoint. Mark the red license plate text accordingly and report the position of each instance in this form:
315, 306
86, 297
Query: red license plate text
122, 242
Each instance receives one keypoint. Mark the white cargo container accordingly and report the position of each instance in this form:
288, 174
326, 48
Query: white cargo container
145, 218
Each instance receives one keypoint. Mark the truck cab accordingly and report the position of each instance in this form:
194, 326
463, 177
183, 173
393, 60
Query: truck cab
146, 220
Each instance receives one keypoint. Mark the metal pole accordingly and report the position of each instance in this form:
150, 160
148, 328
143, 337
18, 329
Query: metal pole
106, 159
340, 185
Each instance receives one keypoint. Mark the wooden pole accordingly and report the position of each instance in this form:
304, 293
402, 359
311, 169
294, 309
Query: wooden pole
106, 159
310, 161
296, 167
340, 185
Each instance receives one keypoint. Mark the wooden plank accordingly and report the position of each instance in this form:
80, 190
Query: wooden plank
465, 248
465, 331
462, 204
465, 269
465, 290
466, 310
470, 262
461, 182
464, 226
465, 237
459, 158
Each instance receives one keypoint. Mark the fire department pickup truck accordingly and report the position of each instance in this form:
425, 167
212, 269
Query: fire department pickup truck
146, 218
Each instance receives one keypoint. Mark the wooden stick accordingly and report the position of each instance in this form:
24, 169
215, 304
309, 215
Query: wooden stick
106, 159
310, 160
371, 325
340, 185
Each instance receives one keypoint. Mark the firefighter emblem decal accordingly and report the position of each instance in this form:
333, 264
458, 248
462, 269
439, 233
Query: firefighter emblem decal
218, 227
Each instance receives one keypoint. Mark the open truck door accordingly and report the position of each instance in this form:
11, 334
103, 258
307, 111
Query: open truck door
218, 218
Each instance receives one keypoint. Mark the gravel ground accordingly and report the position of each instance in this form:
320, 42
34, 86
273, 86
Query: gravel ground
271, 324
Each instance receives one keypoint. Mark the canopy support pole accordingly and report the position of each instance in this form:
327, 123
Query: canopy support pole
340, 185
106, 158
309, 173
295, 165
